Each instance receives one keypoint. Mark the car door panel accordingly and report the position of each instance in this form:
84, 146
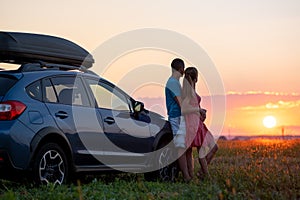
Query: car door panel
126, 139
67, 102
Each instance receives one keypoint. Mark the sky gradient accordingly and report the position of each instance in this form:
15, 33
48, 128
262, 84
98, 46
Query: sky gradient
254, 45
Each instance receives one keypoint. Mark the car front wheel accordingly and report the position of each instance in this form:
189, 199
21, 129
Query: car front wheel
50, 165
167, 167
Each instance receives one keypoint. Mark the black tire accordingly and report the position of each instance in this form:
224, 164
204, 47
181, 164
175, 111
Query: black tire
167, 172
50, 165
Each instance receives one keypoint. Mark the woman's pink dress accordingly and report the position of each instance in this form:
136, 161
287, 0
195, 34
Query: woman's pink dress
195, 128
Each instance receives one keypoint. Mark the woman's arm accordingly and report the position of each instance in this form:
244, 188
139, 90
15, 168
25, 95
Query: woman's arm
186, 108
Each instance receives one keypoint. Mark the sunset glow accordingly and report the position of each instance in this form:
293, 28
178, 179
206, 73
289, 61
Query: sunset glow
254, 45
269, 121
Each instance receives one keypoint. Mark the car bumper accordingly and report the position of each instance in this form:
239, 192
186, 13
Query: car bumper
15, 140
5, 160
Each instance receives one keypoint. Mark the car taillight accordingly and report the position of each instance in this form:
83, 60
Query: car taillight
10, 110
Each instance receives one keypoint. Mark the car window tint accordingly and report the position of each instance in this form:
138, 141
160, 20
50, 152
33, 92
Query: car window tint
107, 97
70, 91
6, 82
34, 90
49, 92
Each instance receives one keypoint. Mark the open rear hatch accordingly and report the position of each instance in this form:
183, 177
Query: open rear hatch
23, 48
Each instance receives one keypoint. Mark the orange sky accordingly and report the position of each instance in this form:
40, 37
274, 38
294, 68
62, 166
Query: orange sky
254, 45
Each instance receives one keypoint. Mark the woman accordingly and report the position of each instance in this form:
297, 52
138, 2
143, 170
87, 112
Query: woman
197, 134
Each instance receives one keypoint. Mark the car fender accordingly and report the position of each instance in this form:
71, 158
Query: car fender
43, 133
165, 133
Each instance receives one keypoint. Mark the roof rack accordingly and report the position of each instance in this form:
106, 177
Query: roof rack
40, 66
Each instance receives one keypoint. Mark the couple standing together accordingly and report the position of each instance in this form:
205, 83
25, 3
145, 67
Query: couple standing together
186, 118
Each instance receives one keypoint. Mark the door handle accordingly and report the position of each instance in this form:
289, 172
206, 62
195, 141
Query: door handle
109, 120
61, 114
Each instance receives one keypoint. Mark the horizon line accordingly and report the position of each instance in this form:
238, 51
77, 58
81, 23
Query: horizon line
267, 93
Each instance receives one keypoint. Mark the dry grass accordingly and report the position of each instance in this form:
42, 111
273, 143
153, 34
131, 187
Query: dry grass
254, 169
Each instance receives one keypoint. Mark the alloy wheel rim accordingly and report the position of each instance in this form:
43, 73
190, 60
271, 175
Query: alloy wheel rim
165, 169
51, 168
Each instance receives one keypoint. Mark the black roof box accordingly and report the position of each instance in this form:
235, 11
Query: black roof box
27, 47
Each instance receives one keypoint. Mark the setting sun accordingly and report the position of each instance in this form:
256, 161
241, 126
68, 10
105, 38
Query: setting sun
269, 121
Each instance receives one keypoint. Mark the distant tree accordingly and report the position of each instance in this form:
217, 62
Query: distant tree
222, 137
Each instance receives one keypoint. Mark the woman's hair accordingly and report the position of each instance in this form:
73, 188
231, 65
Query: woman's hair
188, 86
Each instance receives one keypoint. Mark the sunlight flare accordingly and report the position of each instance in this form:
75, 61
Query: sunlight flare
269, 121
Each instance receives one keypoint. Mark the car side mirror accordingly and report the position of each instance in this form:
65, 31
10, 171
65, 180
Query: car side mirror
138, 106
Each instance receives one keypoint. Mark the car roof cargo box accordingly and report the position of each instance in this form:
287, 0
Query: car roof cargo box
23, 48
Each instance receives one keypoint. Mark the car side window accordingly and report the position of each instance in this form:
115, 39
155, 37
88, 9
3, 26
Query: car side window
66, 90
107, 97
49, 92
34, 90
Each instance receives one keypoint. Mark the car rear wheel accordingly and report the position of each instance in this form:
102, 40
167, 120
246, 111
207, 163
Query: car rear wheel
50, 165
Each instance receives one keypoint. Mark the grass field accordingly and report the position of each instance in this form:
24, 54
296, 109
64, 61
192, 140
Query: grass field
254, 169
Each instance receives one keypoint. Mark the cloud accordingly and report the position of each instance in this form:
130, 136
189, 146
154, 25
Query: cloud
277, 105
288, 104
263, 93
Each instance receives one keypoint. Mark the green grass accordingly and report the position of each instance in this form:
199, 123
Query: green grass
258, 169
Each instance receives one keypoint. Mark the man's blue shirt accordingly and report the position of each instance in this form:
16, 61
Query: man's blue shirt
172, 90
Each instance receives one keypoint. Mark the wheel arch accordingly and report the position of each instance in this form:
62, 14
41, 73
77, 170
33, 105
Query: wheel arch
165, 135
50, 135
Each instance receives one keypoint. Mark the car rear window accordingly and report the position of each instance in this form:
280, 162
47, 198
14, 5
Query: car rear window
6, 82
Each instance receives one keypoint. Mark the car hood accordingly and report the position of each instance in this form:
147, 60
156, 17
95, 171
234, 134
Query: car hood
155, 116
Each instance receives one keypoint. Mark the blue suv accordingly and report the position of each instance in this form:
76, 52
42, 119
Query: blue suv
58, 118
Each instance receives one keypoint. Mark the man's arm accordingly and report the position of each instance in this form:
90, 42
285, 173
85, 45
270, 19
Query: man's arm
178, 100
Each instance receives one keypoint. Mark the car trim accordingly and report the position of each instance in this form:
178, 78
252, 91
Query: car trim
93, 168
110, 153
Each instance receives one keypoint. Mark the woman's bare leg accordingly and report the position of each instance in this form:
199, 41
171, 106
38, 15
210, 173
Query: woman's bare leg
190, 161
182, 161
211, 154
203, 172
204, 167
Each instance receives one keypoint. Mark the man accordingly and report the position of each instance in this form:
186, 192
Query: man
173, 102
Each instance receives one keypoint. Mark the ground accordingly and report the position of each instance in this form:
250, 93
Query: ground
252, 169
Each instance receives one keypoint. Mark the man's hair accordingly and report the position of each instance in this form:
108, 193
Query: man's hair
177, 63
